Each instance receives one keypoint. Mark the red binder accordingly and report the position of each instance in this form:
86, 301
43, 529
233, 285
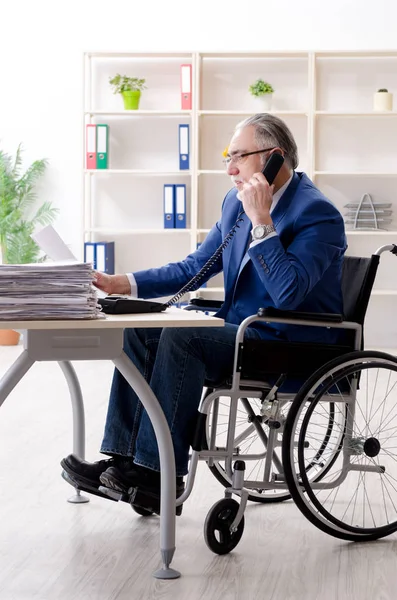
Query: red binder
91, 146
186, 87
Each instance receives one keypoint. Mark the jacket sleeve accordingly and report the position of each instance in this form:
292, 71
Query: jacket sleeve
289, 274
169, 279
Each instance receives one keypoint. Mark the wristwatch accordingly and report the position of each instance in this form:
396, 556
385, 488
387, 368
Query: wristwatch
259, 232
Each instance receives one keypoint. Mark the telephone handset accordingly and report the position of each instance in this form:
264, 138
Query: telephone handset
119, 304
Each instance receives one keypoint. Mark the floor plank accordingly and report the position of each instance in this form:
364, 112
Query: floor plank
53, 550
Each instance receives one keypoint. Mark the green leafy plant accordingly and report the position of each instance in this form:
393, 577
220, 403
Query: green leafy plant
382, 90
260, 87
18, 219
122, 83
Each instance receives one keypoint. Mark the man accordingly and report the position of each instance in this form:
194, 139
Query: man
286, 253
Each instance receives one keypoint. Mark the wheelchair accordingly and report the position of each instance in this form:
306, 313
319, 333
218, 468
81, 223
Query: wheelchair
309, 421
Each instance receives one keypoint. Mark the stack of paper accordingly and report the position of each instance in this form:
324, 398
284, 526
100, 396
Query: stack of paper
56, 290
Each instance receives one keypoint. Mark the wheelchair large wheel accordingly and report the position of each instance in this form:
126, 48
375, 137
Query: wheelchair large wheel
250, 439
356, 499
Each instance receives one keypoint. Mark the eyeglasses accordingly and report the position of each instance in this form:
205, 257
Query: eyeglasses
239, 158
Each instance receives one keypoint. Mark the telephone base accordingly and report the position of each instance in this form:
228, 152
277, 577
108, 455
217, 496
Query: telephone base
123, 305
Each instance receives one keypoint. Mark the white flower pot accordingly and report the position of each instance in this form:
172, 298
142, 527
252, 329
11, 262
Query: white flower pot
265, 102
383, 101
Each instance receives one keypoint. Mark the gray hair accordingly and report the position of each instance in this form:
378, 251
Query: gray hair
272, 131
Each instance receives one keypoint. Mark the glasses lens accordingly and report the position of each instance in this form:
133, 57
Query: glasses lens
236, 159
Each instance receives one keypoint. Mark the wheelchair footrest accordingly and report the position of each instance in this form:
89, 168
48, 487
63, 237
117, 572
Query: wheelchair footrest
113, 494
141, 498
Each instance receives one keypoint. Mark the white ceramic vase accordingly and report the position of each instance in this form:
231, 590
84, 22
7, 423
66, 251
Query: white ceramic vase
383, 101
266, 102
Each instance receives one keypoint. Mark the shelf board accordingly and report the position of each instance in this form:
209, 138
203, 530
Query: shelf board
357, 173
109, 231
340, 54
249, 113
374, 292
212, 172
348, 232
384, 293
373, 113
155, 55
370, 232
248, 54
134, 113
137, 172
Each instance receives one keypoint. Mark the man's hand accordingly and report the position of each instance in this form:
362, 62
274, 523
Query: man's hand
257, 198
112, 284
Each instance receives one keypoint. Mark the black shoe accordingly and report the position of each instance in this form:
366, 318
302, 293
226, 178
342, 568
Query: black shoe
138, 485
85, 475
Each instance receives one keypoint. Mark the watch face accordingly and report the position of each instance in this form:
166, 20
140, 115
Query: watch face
259, 231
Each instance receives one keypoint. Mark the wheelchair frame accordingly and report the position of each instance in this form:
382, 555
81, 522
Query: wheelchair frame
240, 390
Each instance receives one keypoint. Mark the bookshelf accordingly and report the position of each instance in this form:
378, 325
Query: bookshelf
325, 98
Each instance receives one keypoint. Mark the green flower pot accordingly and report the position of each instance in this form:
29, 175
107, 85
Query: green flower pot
131, 99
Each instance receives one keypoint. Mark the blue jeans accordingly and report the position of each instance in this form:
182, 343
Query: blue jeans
175, 362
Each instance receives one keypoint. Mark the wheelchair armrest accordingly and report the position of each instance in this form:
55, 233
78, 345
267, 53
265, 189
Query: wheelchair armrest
301, 316
204, 305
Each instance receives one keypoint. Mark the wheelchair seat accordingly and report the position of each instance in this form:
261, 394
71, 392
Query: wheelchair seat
263, 360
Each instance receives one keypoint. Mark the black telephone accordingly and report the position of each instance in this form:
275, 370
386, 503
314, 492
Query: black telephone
126, 305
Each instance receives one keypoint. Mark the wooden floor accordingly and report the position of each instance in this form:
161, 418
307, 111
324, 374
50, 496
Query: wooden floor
53, 550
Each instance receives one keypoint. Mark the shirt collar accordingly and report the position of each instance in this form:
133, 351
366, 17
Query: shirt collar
279, 193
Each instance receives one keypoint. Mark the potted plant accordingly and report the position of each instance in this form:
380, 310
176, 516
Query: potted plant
383, 100
18, 218
130, 88
263, 90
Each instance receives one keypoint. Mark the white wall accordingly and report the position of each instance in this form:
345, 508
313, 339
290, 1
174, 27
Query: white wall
42, 42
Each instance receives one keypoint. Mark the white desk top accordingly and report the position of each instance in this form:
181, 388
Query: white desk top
171, 317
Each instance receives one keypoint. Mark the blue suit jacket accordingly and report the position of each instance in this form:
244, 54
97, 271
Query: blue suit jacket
299, 269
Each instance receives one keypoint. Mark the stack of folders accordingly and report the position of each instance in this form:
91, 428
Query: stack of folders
100, 255
97, 146
175, 206
56, 290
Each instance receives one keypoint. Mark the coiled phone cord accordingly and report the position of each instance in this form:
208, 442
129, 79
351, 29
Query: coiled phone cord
208, 265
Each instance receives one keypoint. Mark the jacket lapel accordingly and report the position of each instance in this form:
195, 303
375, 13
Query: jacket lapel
283, 204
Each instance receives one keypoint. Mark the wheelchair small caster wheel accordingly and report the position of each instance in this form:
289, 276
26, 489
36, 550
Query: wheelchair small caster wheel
217, 534
143, 512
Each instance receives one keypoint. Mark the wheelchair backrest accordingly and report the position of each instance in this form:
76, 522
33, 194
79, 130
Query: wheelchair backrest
358, 276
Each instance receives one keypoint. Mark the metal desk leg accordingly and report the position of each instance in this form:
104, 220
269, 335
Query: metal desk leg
167, 463
78, 420
14, 374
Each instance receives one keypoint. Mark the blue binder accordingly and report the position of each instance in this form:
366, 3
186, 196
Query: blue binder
105, 257
180, 206
169, 206
90, 253
184, 161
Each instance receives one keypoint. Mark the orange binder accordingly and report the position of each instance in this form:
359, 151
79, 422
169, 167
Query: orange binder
186, 87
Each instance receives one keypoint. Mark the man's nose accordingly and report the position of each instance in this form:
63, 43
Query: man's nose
232, 169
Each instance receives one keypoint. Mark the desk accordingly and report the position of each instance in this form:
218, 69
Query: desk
102, 339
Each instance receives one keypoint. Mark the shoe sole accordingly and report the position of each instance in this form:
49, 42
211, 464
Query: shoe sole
82, 483
139, 497
83, 487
